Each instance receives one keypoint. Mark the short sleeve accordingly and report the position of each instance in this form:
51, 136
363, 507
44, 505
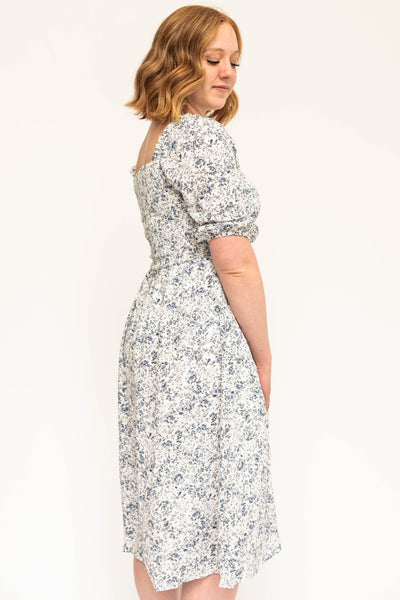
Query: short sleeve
201, 164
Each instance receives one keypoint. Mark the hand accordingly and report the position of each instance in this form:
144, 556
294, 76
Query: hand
264, 374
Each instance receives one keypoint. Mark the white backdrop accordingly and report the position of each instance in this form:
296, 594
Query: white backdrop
318, 133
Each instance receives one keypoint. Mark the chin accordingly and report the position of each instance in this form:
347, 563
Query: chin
218, 106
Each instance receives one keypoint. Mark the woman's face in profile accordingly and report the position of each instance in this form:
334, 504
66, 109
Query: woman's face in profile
219, 60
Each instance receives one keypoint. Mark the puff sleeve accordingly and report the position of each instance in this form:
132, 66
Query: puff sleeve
202, 165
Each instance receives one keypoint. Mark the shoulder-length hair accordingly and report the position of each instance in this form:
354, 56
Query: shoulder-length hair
172, 69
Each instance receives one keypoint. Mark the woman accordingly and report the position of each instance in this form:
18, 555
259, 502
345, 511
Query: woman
195, 361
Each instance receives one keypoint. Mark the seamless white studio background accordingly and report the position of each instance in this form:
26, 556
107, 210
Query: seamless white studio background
318, 133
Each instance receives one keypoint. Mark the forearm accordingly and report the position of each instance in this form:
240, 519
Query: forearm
245, 293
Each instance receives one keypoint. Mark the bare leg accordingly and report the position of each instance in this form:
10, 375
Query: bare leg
207, 588
145, 588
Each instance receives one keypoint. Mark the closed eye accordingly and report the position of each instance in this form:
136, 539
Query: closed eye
215, 62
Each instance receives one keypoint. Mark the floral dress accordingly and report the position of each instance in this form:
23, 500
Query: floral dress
194, 452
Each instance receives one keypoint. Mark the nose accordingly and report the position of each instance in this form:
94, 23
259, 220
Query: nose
226, 69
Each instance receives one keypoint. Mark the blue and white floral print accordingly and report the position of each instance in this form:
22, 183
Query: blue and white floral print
194, 450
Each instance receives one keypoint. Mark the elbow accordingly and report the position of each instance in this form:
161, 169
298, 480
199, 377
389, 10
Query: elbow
235, 270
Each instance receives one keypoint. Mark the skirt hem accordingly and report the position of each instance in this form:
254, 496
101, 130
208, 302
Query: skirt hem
226, 582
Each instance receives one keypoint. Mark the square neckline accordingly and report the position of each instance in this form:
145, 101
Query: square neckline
158, 144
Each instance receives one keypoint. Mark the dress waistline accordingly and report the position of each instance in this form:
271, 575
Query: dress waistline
169, 261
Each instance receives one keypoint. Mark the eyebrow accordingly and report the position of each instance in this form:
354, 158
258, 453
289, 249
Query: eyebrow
221, 50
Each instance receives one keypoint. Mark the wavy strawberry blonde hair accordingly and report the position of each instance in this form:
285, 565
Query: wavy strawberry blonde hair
173, 69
